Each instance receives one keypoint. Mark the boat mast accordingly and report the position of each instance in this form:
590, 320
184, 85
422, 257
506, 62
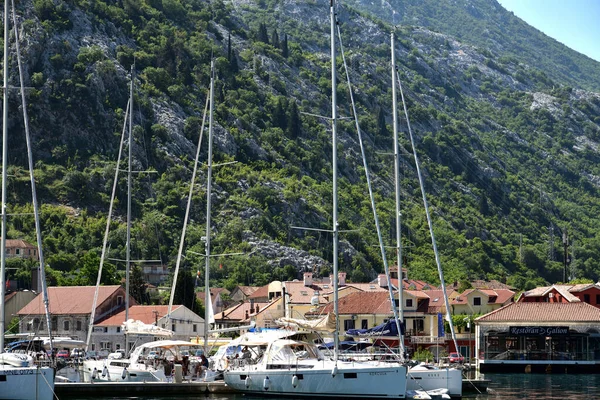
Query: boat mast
4, 174
207, 300
36, 211
336, 338
429, 221
397, 186
128, 245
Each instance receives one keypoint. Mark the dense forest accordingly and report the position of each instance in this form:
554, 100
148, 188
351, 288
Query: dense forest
508, 141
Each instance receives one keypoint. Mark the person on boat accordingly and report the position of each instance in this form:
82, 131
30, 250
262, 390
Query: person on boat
246, 354
201, 366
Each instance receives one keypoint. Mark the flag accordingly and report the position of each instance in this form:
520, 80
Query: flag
440, 325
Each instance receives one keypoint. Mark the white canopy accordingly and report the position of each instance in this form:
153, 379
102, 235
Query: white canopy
324, 324
135, 327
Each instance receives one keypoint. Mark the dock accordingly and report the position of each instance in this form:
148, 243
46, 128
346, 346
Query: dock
103, 389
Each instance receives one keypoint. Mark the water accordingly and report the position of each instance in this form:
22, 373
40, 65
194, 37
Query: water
502, 386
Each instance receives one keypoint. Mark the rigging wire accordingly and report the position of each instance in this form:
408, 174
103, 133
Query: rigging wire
371, 195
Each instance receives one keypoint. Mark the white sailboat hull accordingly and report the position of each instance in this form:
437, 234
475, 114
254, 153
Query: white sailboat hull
432, 379
26, 383
352, 380
120, 370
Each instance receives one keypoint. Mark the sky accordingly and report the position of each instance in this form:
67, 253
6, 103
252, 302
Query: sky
575, 23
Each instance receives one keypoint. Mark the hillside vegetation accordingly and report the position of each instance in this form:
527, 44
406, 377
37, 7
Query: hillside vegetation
508, 143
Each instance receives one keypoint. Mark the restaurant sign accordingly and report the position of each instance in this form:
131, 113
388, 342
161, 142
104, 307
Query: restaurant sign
539, 330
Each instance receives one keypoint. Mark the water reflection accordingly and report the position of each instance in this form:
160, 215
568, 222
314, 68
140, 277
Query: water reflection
541, 386
502, 386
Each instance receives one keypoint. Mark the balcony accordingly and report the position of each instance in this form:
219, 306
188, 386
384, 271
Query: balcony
427, 340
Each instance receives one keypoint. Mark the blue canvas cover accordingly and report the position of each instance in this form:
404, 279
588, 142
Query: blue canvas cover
386, 329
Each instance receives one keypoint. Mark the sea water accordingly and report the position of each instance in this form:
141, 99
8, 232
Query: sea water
502, 386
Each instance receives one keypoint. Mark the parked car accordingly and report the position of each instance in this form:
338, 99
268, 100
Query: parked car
456, 358
64, 354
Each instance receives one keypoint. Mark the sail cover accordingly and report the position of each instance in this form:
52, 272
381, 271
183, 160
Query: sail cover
324, 324
135, 327
386, 329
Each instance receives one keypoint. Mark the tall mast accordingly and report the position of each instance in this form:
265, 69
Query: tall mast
4, 174
207, 305
128, 245
397, 186
336, 338
36, 211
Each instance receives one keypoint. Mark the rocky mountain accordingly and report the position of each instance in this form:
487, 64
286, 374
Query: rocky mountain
506, 126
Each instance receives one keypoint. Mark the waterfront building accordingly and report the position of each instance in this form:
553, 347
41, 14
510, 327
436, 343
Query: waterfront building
241, 293
216, 296
587, 293
184, 323
539, 337
70, 309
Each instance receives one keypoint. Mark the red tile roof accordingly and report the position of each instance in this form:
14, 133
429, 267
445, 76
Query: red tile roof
362, 303
301, 294
213, 293
498, 296
238, 312
20, 243
138, 313
248, 290
543, 312
71, 299
260, 293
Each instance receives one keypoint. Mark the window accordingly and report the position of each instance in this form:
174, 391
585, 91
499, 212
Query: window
118, 346
93, 346
17, 251
418, 325
598, 299
104, 345
586, 298
118, 329
173, 327
54, 323
476, 301
78, 325
364, 324
194, 328
348, 324
409, 302
119, 300
66, 325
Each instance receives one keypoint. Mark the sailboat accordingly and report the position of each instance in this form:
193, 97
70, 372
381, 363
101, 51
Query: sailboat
421, 377
124, 366
19, 377
286, 367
